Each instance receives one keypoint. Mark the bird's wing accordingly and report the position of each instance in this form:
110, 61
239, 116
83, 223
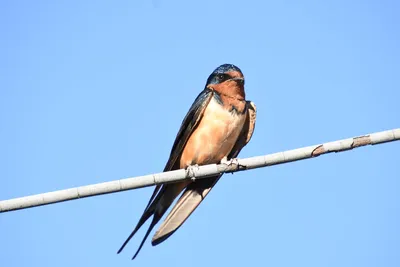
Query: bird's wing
164, 195
247, 131
197, 191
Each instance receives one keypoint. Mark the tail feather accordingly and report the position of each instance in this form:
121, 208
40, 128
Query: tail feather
158, 187
187, 203
149, 211
153, 223
161, 201
146, 215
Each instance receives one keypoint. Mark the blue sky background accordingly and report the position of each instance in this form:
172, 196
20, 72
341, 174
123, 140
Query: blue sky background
94, 91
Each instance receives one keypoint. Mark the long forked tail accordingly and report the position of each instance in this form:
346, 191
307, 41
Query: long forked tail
158, 205
153, 223
187, 203
146, 215
148, 211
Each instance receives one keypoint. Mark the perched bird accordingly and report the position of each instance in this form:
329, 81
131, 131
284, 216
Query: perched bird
218, 125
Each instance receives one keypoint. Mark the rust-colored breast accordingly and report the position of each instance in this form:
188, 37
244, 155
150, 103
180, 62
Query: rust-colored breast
214, 137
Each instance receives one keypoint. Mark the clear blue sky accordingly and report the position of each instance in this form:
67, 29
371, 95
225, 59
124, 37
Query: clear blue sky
94, 91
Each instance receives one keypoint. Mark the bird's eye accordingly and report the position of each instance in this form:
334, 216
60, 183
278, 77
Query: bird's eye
221, 77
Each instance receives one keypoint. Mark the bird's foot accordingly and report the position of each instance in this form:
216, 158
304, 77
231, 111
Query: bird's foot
191, 171
231, 164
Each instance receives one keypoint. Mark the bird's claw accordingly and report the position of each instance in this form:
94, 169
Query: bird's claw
233, 161
191, 171
232, 164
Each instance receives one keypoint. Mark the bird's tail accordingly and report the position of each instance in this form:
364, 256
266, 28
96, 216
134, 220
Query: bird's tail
184, 207
159, 203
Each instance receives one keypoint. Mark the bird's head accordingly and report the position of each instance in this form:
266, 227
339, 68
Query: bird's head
227, 79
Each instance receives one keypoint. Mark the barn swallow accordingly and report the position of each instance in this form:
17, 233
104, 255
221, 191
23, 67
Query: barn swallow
218, 125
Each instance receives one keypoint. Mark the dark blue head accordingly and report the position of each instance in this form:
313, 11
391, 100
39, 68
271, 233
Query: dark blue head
224, 73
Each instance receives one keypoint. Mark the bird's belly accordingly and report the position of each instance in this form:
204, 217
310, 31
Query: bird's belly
214, 137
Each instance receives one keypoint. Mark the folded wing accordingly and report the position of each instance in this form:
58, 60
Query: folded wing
197, 191
164, 195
